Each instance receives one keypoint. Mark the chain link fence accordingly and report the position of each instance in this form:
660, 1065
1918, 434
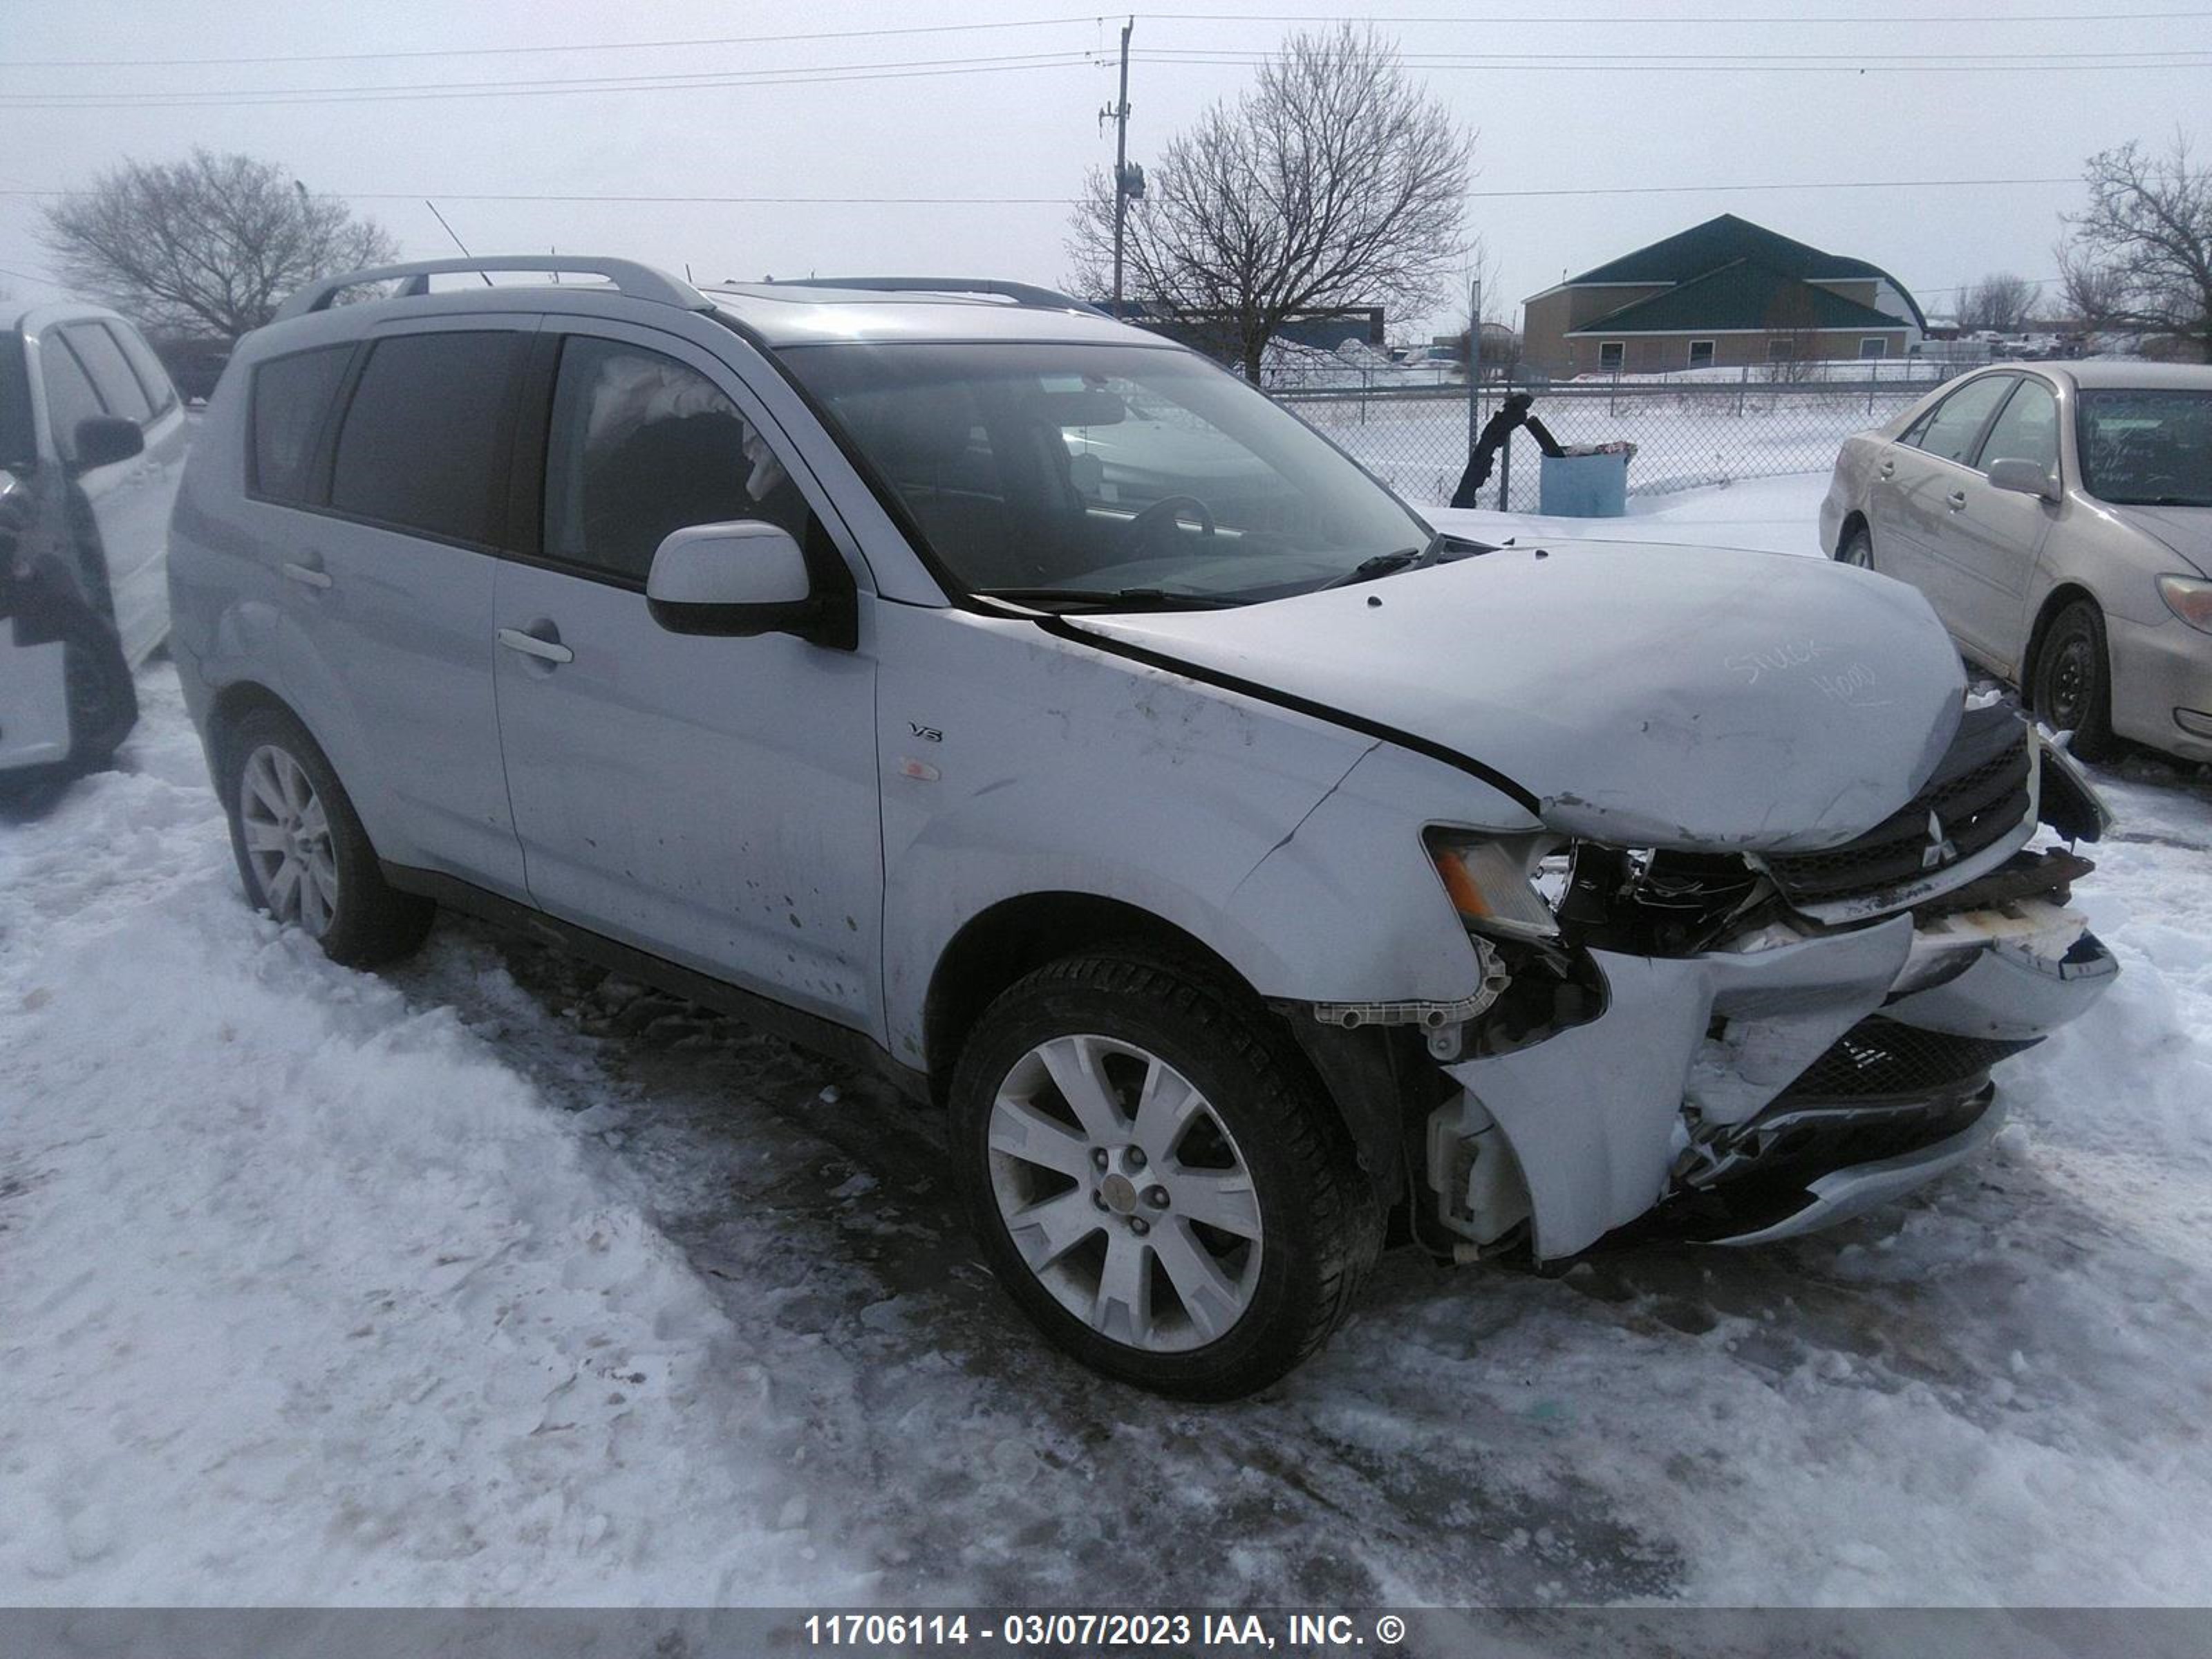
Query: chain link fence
1413, 429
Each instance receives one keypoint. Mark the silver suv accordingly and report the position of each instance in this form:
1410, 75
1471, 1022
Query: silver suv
964, 684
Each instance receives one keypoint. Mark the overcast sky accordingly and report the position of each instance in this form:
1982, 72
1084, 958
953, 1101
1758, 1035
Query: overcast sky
1633, 95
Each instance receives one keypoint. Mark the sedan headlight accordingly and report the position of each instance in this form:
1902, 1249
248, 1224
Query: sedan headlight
1489, 883
2189, 598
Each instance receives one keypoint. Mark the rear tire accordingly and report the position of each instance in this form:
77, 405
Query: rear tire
1858, 548
2072, 688
1196, 1221
301, 849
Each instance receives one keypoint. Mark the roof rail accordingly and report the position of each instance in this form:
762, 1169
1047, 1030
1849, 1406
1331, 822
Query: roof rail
630, 279
1022, 293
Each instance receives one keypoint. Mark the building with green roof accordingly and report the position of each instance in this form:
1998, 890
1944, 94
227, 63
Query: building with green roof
1719, 294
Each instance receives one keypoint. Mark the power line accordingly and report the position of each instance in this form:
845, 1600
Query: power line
436, 91
694, 42
1841, 66
1615, 19
1061, 200
537, 48
1853, 58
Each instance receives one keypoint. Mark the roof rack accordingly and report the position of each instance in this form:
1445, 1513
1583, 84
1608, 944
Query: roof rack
1022, 293
630, 279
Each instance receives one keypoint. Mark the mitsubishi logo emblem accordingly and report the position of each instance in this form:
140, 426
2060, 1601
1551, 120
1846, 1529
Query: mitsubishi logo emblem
1939, 850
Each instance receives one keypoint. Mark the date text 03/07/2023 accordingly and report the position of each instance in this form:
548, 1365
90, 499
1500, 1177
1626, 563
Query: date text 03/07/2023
1112, 1632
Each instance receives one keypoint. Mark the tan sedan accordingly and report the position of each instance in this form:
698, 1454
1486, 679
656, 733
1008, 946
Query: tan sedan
2058, 517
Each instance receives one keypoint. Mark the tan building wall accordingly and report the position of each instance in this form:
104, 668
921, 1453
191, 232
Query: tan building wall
1651, 354
1546, 319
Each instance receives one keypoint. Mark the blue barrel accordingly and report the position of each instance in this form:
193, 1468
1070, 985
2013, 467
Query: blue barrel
1583, 486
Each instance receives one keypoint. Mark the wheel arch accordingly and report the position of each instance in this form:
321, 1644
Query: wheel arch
1363, 1073
2054, 603
1853, 520
1015, 936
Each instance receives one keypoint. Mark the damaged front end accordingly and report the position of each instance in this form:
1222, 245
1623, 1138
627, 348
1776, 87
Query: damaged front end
1738, 1047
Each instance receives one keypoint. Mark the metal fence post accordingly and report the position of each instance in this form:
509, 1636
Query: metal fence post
1742, 386
1505, 473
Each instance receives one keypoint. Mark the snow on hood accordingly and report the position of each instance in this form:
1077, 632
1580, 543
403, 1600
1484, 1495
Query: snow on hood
1646, 696
2186, 530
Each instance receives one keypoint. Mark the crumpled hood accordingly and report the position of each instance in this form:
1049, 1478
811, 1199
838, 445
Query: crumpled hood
1645, 695
2186, 530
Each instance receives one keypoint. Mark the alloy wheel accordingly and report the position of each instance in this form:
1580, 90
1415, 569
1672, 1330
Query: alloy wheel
1125, 1193
287, 838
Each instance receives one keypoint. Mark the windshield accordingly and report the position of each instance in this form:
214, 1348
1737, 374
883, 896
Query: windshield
1068, 474
2142, 447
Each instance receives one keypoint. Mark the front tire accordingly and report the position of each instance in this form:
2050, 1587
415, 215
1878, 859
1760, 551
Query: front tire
301, 851
1156, 1178
2073, 681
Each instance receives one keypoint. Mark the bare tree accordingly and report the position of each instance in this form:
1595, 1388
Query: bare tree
1793, 334
1333, 181
2139, 258
2000, 301
206, 246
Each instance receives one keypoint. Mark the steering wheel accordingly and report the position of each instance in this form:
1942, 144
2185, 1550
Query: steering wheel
1166, 510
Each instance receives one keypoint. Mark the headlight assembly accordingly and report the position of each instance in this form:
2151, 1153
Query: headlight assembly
1489, 882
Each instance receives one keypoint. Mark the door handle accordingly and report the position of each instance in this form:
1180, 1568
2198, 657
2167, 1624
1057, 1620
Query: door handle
1889, 468
308, 571
1958, 501
514, 639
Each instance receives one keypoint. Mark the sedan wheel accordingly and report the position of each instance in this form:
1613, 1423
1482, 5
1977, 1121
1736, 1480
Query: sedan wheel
1144, 1224
1858, 549
288, 837
2072, 689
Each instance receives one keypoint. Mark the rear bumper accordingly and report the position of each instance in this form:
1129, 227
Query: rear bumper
1783, 1088
2161, 675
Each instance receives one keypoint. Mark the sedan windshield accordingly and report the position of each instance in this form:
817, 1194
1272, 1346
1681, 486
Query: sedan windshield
2144, 448
1095, 476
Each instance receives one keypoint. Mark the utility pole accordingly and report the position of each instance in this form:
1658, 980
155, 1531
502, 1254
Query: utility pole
1125, 184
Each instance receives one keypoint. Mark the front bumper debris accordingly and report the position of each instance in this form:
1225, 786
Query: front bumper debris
1740, 1088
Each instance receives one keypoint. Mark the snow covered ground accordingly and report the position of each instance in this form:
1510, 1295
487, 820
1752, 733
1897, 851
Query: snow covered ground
486, 1280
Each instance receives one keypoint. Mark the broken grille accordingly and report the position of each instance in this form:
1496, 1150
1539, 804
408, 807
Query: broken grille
1976, 795
1880, 1058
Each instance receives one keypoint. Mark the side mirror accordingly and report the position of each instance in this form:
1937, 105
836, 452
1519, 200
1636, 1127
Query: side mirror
2024, 477
104, 439
745, 578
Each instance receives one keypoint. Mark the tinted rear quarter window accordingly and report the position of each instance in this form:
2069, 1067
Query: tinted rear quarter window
291, 399
110, 372
425, 440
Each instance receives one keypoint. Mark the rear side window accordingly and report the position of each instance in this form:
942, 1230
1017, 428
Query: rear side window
424, 443
1956, 428
112, 377
160, 391
70, 396
291, 399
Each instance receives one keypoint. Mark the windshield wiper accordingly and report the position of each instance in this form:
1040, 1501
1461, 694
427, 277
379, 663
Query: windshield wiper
1114, 599
1386, 564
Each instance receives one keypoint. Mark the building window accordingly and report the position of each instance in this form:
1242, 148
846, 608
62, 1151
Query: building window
1610, 353
1701, 354
1873, 349
1781, 351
